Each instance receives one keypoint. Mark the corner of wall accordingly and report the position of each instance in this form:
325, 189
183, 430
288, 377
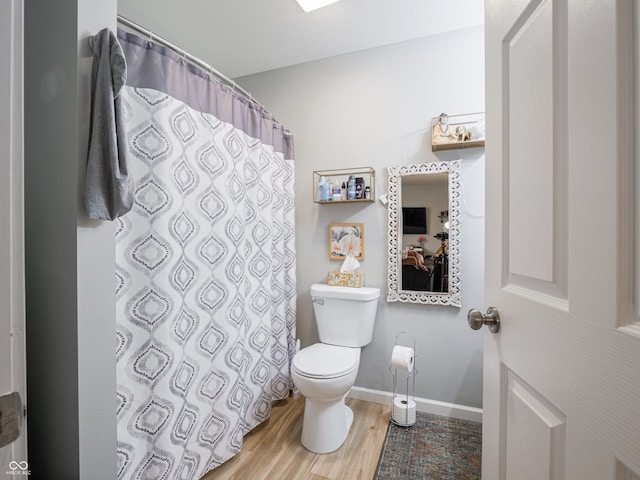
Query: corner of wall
69, 270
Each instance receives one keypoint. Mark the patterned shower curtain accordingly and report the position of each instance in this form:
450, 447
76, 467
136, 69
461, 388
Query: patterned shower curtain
205, 269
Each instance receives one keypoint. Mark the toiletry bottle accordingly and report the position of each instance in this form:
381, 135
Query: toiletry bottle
351, 188
343, 191
336, 195
367, 192
321, 184
359, 188
327, 190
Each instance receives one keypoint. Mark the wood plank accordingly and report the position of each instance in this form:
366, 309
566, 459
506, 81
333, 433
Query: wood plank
273, 449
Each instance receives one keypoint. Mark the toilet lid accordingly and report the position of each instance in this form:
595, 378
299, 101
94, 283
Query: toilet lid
325, 361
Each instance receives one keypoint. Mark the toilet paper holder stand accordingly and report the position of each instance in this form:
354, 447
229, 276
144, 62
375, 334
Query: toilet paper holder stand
407, 397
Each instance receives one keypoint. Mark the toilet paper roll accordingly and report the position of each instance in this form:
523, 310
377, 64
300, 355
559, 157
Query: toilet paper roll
402, 358
404, 411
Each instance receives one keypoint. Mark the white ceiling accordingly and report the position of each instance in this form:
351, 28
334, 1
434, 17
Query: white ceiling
242, 37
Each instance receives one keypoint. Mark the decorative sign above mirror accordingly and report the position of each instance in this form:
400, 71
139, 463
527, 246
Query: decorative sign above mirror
424, 267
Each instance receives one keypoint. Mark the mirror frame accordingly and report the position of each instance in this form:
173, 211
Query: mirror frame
394, 196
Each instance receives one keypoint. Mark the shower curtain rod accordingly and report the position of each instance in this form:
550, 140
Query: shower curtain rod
147, 33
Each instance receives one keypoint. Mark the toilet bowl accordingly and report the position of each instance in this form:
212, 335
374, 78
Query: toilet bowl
325, 372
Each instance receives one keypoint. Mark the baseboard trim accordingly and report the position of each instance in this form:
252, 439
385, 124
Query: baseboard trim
434, 407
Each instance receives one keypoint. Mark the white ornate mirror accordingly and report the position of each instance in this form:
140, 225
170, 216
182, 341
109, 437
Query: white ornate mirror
424, 233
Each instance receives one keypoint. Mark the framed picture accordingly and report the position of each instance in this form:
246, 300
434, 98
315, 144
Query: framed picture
346, 239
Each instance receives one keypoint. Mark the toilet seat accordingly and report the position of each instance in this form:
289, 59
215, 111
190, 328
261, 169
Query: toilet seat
325, 361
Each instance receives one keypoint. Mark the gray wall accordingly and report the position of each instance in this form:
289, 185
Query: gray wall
69, 261
373, 108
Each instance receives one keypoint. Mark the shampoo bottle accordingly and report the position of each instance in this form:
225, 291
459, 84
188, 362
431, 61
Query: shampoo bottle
327, 190
351, 188
321, 188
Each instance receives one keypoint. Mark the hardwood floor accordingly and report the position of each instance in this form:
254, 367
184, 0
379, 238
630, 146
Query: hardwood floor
272, 451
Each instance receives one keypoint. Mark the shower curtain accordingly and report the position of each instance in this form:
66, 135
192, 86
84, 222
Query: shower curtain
205, 268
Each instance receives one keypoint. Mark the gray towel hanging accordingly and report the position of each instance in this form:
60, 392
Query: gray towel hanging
108, 188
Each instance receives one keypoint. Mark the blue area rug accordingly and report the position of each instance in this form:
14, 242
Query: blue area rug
434, 448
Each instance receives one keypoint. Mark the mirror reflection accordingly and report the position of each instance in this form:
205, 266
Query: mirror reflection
423, 233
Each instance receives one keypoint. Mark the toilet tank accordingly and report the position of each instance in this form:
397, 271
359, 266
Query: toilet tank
344, 315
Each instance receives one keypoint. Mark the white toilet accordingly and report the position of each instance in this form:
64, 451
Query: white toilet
325, 372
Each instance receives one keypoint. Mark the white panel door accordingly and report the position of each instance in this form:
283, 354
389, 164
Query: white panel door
562, 375
13, 457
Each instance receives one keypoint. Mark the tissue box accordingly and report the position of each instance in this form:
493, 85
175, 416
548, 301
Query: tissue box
339, 279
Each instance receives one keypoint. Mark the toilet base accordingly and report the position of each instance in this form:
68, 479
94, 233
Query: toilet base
326, 424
